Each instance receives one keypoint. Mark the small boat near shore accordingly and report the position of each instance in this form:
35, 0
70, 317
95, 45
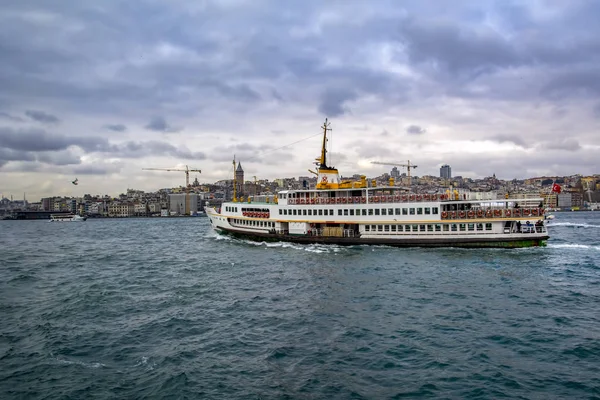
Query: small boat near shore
67, 218
346, 212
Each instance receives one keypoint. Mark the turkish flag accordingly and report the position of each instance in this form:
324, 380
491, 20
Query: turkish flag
556, 188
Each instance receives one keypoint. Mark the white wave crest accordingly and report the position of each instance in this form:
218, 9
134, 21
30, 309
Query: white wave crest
311, 248
81, 363
144, 363
573, 246
573, 224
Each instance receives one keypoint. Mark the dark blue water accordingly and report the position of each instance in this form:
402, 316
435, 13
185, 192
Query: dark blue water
164, 308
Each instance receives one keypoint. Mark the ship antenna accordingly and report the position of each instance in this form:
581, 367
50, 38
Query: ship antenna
323, 159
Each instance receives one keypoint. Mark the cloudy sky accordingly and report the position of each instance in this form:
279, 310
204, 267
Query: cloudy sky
99, 90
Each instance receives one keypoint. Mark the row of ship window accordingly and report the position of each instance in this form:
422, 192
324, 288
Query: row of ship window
429, 228
261, 224
364, 211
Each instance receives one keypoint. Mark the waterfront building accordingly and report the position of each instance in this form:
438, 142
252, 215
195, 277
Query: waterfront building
121, 210
177, 203
139, 208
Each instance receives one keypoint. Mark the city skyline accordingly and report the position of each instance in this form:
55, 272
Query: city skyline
297, 182
99, 91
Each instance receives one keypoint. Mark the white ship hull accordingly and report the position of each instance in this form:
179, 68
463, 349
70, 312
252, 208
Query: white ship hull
501, 229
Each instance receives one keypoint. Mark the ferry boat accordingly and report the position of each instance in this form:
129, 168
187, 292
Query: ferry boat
66, 218
361, 213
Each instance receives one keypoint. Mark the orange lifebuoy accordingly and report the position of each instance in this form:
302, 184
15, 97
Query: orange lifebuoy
507, 213
363, 199
535, 212
461, 214
426, 197
419, 197
480, 213
411, 197
488, 213
434, 197
444, 214
397, 198
497, 213
471, 214
517, 213
404, 198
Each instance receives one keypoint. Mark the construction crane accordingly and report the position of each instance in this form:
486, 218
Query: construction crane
187, 182
408, 166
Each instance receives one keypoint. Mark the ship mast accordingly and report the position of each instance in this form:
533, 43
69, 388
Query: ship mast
323, 159
234, 182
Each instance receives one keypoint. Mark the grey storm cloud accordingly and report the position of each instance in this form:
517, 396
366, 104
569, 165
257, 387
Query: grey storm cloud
415, 130
510, 139
41, 140
52, 158
10, 117
54, 146
333, 102
159, 124
166, 49
253, 153
562, 144
457, 49
58, 158
116, 127
7, 155
95, 169
154, 148
223, 63
596, 111
41, 116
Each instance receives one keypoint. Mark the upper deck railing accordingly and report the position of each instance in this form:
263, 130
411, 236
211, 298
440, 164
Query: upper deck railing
490, 212
370, 199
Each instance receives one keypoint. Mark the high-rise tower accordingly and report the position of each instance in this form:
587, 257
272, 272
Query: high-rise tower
445, 171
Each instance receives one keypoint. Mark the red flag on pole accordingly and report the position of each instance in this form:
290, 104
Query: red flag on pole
556, 188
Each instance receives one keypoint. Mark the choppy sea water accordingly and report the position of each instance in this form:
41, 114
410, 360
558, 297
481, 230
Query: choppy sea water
165, 308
